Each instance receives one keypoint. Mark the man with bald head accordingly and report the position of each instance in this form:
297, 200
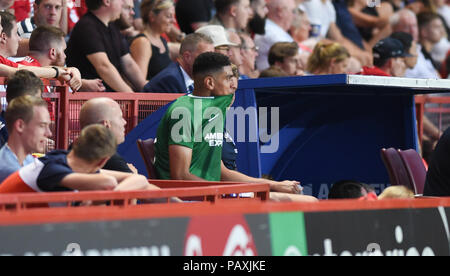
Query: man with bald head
279, 20
107, 112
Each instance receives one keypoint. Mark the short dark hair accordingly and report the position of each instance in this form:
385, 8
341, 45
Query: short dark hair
380, 62
43, 37
22, 108
425, 18
94, 5
346, 189
191, 41
95, 143
223, 5
23, 82
281, 50
273, 72
210, 63
7, 22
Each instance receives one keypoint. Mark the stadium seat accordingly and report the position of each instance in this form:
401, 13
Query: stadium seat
397, 171
147, 150
415, 168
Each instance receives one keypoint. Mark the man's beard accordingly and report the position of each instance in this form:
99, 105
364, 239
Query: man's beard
258, 25
122, 24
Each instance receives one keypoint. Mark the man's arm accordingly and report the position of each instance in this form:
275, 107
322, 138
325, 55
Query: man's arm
132, 72
130, 181
335, 34
89, 182
108, 73
45, 72
64, 26
283, 187
180, 158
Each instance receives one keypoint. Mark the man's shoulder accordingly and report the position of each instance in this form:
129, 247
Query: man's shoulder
169, 80
25, 27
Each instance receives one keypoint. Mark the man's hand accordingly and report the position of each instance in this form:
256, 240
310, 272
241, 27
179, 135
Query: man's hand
291, 187
75, 78
92, 86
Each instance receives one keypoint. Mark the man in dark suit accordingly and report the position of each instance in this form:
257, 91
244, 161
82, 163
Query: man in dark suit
177, 77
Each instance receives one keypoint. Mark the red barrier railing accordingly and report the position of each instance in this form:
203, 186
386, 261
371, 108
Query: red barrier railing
215, 192
66, 109
135, 107
423, 106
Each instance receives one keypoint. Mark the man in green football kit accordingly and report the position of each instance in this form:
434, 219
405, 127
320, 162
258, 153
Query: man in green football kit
190, 135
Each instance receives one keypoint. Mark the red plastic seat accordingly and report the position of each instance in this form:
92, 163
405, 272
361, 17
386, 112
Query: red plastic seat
395, 166
147, 150
417, 172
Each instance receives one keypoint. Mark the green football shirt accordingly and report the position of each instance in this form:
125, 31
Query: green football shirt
196, 123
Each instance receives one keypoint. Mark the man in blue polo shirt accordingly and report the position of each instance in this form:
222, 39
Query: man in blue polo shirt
28, 123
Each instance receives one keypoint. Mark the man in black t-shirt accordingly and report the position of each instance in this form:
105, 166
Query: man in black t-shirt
98, 50
438, 176
107, 112
193, 14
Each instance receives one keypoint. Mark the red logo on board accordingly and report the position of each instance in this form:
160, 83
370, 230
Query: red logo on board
219, 236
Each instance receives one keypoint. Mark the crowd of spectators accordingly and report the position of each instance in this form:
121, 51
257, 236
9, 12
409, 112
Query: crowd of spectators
127, 43
151, 46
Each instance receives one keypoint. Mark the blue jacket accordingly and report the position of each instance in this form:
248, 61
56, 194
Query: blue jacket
169, 80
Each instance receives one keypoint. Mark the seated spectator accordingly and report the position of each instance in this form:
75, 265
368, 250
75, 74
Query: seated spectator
126, 21
28, 121
396, 192
280, 17
431, 32
107, 112
77, 170
406, 21
183, 155
46, 13
328, 58
99, 51
284, 56
249, 52
177, 77
219, 36
47, 46
257, 24
20, 84
9, 46
235, 51
350, 189
440, 49
438, 176
388, 58
149, 49
232, 14
193, 14
300, 30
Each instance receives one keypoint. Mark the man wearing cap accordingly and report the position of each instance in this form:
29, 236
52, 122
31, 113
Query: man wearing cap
388, 59
219, 36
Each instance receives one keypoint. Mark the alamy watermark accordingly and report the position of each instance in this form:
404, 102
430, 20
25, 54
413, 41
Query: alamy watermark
373, 3
242, 125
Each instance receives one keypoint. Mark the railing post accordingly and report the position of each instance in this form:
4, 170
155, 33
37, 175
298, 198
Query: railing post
63, 119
